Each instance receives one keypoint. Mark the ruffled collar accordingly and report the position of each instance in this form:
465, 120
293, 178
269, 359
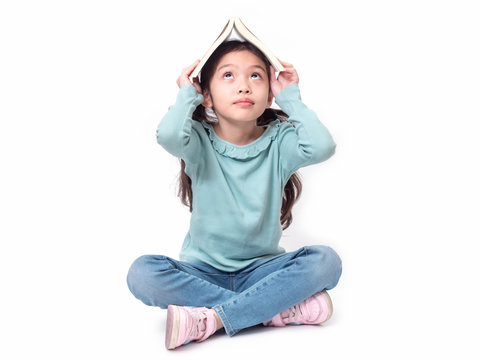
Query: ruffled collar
243, 152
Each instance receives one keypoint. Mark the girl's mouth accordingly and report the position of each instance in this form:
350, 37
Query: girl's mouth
244, 102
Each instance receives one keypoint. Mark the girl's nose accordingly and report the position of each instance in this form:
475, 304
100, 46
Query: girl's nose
243, 90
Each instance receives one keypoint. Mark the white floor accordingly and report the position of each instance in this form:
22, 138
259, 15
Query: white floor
366, 324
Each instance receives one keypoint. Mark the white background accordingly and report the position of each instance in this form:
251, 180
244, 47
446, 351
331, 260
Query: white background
85, 189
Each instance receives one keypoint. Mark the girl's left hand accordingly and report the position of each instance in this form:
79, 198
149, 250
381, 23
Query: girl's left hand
285, 78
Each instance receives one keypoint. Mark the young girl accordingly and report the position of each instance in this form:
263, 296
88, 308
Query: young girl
238, 163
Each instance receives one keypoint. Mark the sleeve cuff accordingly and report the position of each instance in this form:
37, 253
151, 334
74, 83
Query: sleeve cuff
189, 94
289, 97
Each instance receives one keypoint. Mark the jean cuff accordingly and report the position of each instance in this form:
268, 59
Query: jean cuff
226, 324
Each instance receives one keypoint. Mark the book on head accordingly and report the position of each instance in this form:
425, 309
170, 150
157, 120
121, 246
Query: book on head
236, 30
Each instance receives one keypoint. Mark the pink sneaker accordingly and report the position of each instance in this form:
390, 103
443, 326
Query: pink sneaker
314, 311
185, 325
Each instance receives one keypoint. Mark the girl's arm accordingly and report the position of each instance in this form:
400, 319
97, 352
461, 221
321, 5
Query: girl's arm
176, 131
308, 141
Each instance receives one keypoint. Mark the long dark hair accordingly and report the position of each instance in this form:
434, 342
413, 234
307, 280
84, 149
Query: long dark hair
293, 187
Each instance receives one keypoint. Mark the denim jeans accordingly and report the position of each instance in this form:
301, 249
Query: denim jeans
243, 298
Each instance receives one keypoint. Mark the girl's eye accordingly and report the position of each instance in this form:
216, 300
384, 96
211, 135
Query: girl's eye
256, 76
227, 75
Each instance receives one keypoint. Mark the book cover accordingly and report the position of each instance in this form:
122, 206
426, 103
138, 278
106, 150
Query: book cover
235, 29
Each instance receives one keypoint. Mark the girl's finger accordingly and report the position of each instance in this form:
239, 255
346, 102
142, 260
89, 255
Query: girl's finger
272, 73
285, 64
196, 83
189, 69
192, 67
183, 79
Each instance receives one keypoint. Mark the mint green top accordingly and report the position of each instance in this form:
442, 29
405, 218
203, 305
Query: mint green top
238, 190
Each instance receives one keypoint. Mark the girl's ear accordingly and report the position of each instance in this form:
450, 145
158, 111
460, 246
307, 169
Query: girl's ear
270, 99
207, 99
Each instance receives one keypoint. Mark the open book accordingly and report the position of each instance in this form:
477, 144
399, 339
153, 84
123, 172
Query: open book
236, 30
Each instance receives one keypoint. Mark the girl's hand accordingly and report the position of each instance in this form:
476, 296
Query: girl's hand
184, 78
285, 78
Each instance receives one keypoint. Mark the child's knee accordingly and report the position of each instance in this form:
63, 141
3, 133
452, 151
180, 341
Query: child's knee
327, 262
137, 272
143, 269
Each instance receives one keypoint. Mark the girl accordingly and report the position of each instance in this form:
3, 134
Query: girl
238, 163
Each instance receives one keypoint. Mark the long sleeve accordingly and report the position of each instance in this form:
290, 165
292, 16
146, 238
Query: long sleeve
308, 141
177, 132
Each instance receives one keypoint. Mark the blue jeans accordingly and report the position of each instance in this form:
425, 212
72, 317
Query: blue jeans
243, 298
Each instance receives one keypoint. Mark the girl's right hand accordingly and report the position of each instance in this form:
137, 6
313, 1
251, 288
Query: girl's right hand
184, 78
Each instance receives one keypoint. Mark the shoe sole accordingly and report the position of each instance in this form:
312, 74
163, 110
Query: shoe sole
173, 325
329, 303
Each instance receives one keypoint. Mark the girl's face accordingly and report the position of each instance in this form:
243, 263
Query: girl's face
239, 88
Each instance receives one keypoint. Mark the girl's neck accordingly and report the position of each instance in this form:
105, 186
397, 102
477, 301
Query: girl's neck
241, 133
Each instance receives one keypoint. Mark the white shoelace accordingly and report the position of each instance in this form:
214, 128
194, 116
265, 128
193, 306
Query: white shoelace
295, 314
199, 325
